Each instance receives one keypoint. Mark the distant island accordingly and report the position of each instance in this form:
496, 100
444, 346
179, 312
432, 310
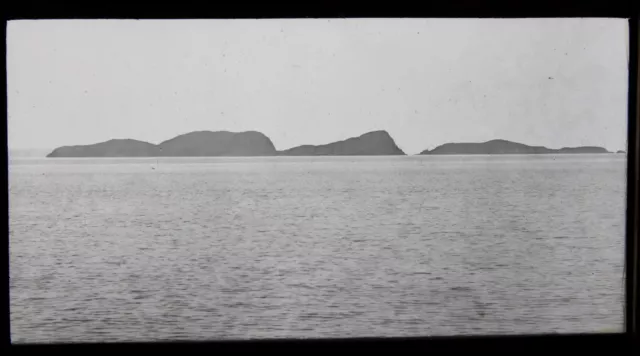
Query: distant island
229, 144
495, 147
254, 143
220, 143
370, 144
193, 144
621, 151
111, 148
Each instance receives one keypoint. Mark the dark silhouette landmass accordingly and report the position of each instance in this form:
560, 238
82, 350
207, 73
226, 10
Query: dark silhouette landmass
220, 143
495, 147
225, 143
193, 144
621, 151
253, 143
370, 144
111, 148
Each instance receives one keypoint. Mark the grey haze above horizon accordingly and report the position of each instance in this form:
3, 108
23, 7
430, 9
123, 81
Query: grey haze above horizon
548, 82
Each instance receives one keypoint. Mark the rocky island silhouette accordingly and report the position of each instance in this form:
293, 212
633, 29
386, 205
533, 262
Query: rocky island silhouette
254, 143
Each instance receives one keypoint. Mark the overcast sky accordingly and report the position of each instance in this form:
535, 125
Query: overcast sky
551, 82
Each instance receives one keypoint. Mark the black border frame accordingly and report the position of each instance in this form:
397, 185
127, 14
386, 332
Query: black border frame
632, 270
440, 9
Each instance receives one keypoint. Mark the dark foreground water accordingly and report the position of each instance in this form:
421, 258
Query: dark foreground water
134, 249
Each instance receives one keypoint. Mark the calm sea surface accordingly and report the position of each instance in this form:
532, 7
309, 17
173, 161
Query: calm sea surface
236, 248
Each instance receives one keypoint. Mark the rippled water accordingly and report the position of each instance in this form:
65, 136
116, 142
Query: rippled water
135, 249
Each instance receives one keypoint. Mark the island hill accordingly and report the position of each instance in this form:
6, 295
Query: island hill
496, 147
253, 143
230, 144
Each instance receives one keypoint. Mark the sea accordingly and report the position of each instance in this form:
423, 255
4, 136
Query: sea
146, 249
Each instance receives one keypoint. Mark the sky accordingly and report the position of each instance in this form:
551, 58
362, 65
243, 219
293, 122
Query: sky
550, 82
